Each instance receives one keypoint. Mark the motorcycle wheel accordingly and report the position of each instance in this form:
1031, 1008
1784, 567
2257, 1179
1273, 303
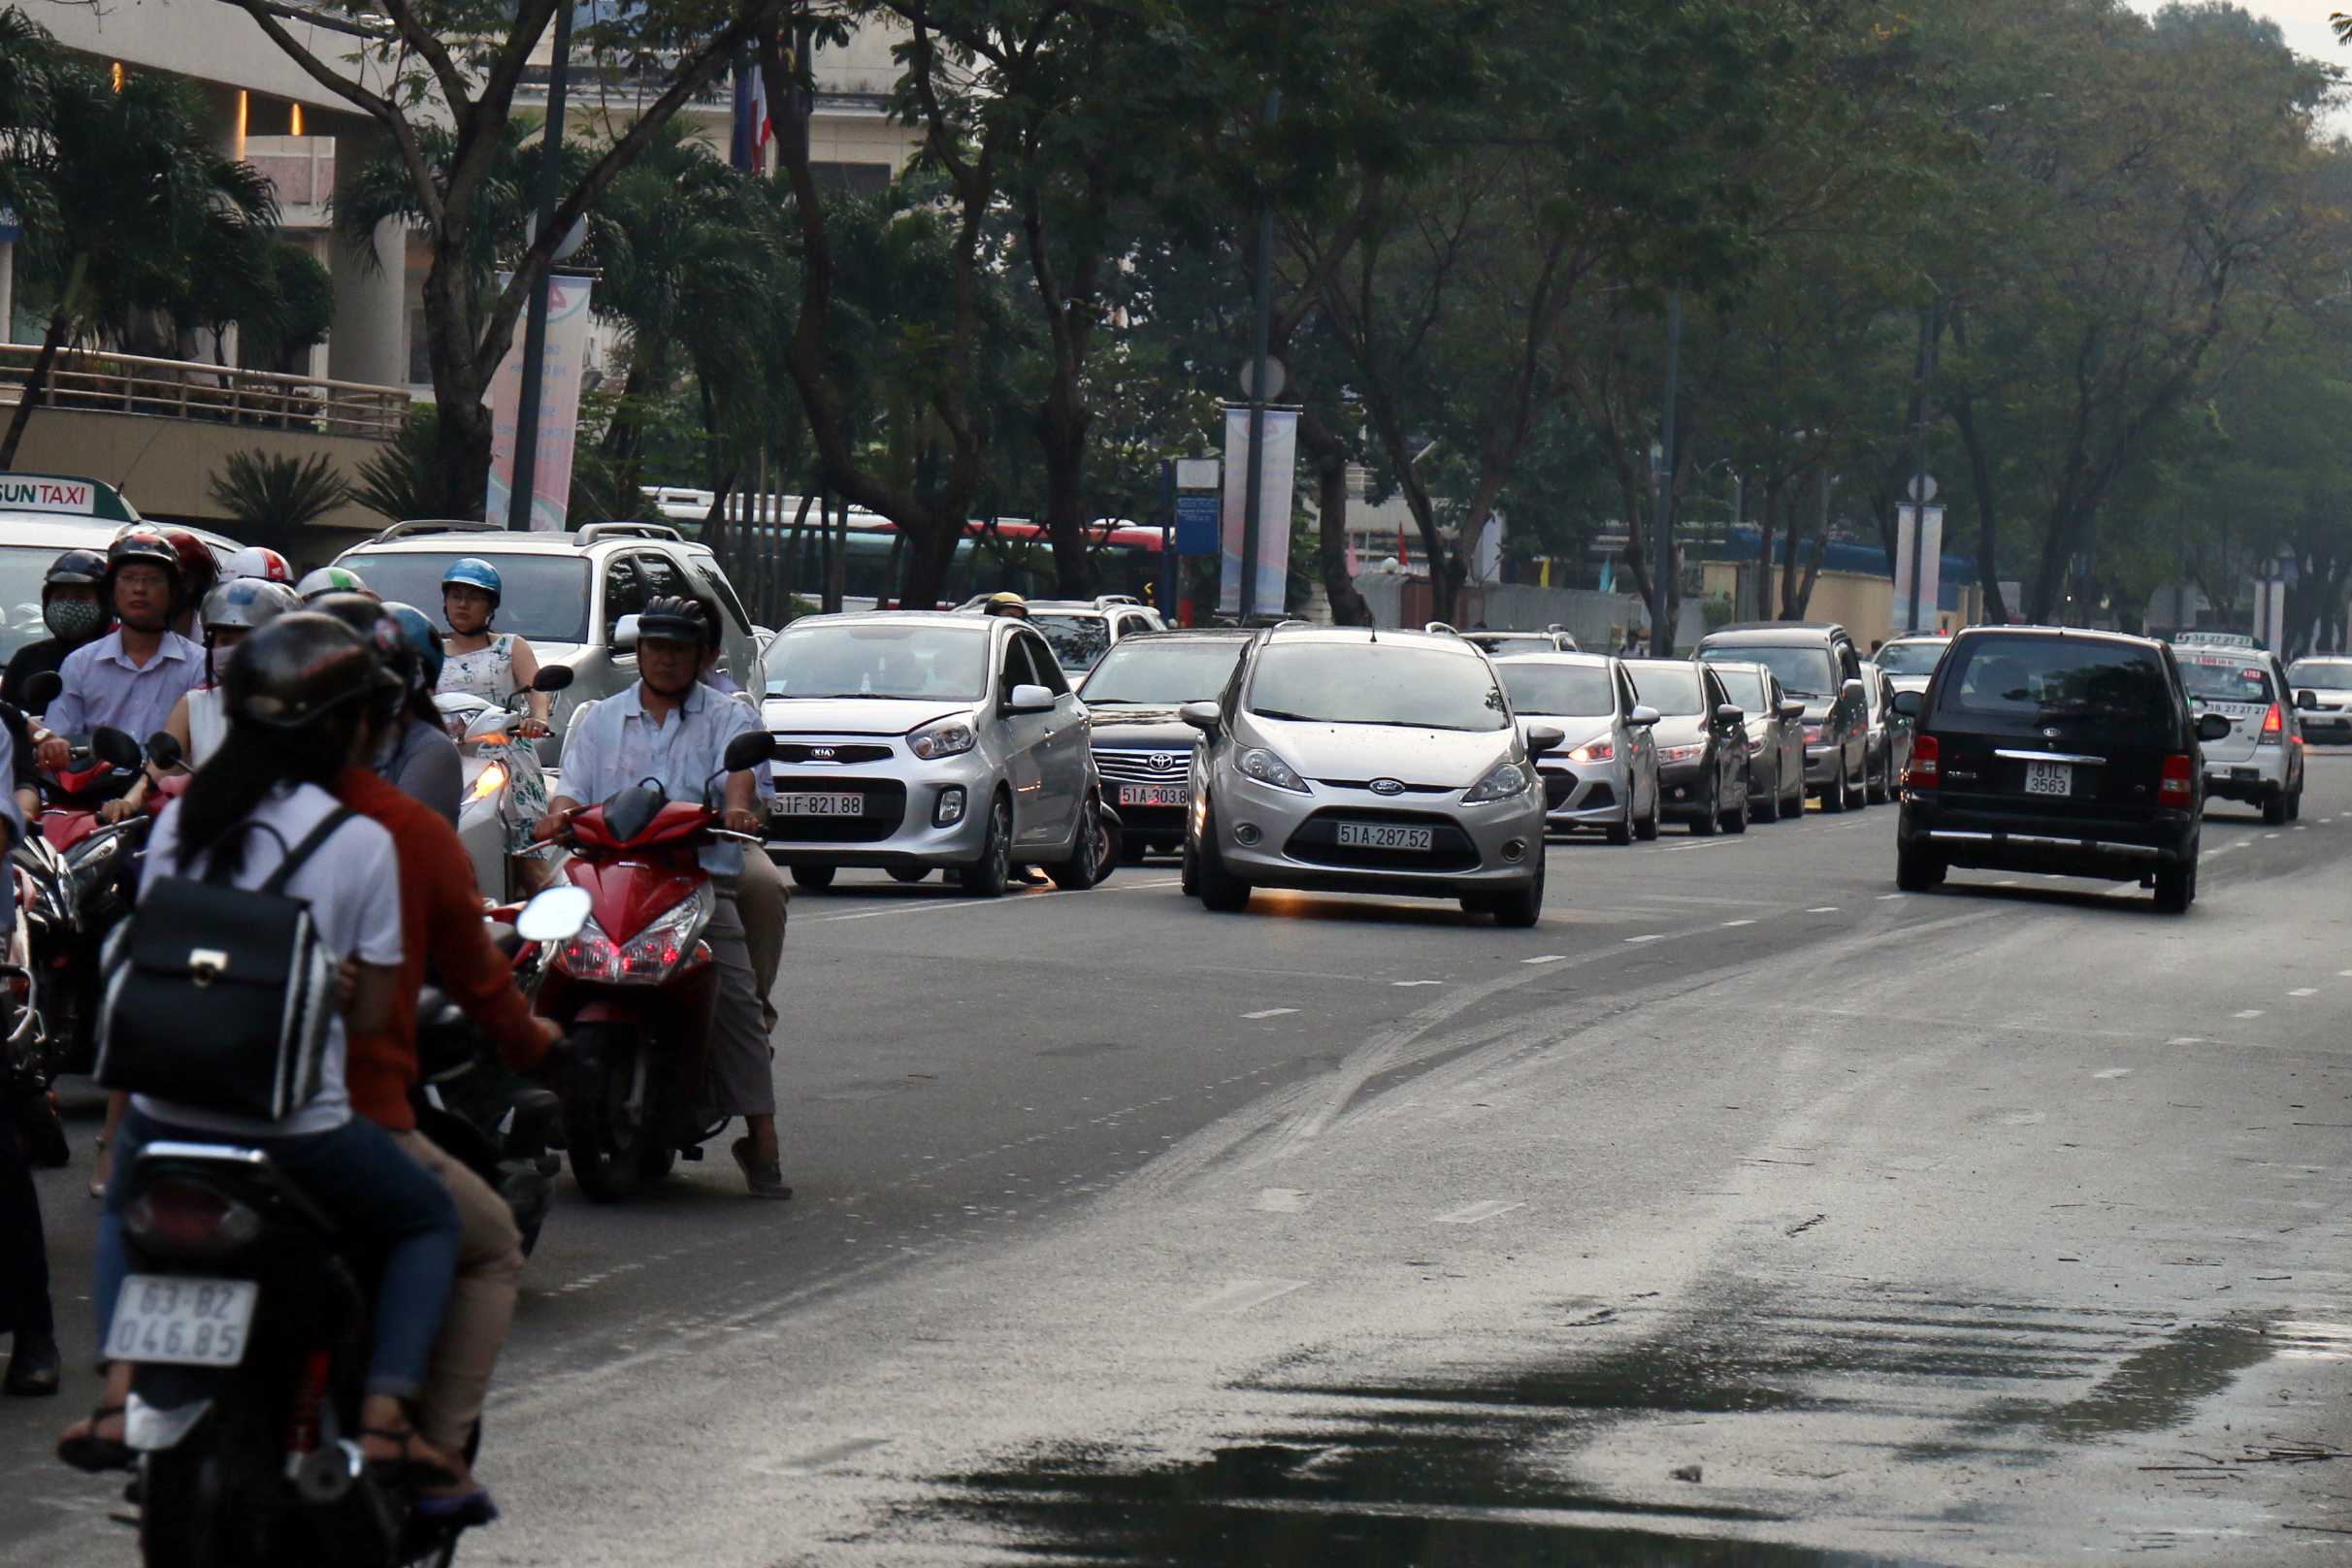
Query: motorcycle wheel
607, 1150
206, 1502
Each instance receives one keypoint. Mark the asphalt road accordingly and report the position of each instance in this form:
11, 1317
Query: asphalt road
1743, 1212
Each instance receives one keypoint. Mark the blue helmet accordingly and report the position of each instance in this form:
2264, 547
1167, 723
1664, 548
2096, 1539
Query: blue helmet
472, 571
421, 637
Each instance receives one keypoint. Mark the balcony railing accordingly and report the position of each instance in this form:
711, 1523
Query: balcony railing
190, 390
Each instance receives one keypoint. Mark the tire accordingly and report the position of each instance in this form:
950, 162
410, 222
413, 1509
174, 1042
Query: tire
1767, 809
1833, 793
1917, 871
2295, 804
1736, 819
1621, 834
1881, 789
1220, 889
2176, 888
1520, 911
208, 1501
1793, 805
1647, 830
988, 876
1858, 795
1188, 876
815, 878
2274, 808
908, 875
1084, 869
1710, 820
1110, 853
609, 1154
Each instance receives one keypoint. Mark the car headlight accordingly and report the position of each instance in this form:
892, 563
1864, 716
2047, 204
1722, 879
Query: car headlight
1263, 765
1603, 750
669, 946
488, 782
1502, 781
1813, 732
947, 738
1680, 754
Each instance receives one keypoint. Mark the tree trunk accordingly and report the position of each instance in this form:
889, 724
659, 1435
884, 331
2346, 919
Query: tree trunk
35, 383
928, 557
1328, 455
461, 454
1061, 426
1988, 512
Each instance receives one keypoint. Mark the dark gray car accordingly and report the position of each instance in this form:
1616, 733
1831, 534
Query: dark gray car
1702, 743
1142, 747
1821, 667
1776, 740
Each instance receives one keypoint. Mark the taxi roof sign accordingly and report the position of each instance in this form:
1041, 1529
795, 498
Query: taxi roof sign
2215, 640
66, 495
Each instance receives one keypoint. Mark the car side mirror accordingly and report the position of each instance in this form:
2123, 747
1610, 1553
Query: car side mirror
2306, 700
1730, 713
749, 749
1027, 698
2213, 726
556, 914
1853, 691
555, 677
624, 635
1910, 705
114, 748
1791, 708
1543, 739
1643, 717
163, 749
41, 690
1205, 717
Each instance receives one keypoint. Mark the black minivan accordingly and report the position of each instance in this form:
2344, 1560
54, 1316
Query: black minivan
2065, 752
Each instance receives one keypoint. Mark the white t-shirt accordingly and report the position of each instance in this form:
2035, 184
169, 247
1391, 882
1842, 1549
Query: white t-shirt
352, 885
208, 723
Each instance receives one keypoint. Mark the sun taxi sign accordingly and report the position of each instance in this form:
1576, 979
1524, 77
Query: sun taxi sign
64, 495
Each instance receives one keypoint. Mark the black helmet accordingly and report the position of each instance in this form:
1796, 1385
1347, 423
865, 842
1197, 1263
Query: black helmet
146, 544
674, 618
300, 668
86, 567
377, 629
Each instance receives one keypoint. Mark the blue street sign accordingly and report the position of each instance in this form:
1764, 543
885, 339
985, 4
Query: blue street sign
1197, 524
12, 228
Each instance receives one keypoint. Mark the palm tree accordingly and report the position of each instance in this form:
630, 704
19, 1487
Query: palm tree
277, 497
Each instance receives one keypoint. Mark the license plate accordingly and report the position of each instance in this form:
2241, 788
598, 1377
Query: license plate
1381, 835
181, 1320
832, 803
1151, 795
2048, 778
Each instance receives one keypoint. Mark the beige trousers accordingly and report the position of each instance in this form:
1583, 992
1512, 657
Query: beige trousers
760, 898
481, 1303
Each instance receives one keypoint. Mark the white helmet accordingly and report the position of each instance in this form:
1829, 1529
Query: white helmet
259, 561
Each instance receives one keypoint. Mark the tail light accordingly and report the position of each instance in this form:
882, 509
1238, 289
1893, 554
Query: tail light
2273, 726
1926, 769
2179, 785
185, 1219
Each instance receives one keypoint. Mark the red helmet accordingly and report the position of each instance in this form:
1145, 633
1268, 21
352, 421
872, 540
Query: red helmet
198, 568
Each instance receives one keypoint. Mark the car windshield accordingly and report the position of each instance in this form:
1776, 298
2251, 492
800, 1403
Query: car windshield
1745, 686
1805, 672
2335, 674
541, 598
2035, 678
1077, 641
22, 568
1504, 647
1910, 658
1671, 689
1161, 671
1559, 691
2226, 680
1418, 688
921, 663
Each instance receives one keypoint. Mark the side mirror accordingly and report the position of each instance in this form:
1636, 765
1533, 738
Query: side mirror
114, 748
749, 749
1730, 713
1853, 691
555, 914
1543, 739
1205, 717
44, 689
1791, 708
2306, 700
555, 677
2213, 726
1029, 699
1910, 705
1643, 717
164, 751
624, 635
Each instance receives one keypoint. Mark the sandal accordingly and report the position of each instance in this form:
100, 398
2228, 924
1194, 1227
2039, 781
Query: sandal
426, 1470
90, 1451
459, 1511
100, 1169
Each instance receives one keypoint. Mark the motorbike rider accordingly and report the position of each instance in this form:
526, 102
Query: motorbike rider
200, 720
73, 612
331, 580
131, 678
494, 666
419, 757
259, 561
672, 728
297, 694
25, 1311
1007, 604
443, 935
199, 571
760, 893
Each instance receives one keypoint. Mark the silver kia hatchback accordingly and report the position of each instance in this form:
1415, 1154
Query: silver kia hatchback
1606, 777
1351, 761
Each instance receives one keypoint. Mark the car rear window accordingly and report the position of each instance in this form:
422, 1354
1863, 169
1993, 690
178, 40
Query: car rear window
1909, 658
1671, 689
1077, 641
1745, 686
2226, 680
1807, 672
1564, 691
2028, 679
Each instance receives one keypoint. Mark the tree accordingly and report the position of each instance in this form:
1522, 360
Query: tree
277, 497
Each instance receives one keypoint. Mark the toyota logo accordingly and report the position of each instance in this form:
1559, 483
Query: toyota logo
1164, 762
1386, 786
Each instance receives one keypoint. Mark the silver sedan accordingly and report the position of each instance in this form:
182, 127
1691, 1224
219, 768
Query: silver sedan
1604, 776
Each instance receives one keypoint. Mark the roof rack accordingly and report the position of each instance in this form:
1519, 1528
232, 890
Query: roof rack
1440, 629
435, 525
590, 533
1106, 601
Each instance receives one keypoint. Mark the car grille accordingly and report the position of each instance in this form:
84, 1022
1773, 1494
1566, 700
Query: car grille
1317, 841
1559, 785
827, 755
885, 811
1365, 785
1141, 766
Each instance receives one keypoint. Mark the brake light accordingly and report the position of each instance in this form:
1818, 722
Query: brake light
2179, 782
1926, 769
2273, 726
188, 1219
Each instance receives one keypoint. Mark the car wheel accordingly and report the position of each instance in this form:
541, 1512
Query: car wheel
909, 875
1833, 793
1621, 832
1857, 790
987, 877
1523, 909
1736, 819
1188, 875
1916, 870
1767, 809
1220, 889
2295, 804
1084, 869
2274, 808
1710, 820
1793, 805
2176, 887
815, 878
1647, 830
1880, 789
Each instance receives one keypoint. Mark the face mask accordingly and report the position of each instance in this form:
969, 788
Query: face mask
71, 620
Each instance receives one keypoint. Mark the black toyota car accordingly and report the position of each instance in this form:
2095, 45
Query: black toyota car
2063, 752
1141, 748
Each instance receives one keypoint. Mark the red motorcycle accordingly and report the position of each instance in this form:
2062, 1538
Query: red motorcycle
635, 988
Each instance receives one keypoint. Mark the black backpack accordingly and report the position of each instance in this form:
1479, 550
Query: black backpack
218, 996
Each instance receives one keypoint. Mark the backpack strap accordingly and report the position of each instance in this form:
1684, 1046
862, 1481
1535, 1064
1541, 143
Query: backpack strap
302, 851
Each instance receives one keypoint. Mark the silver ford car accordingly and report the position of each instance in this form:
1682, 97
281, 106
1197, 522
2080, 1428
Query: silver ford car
915, 741
1353, 761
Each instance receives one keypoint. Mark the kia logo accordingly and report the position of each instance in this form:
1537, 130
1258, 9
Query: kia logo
1164, 762
1386, 786
823, 754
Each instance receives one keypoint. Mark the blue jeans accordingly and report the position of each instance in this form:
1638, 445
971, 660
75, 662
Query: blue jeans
367, 1184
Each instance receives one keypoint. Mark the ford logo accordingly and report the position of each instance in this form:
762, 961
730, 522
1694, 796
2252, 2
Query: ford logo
1386, 786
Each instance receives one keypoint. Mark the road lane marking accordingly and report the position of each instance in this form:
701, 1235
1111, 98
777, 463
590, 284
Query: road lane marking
1282, 1201
953, 905
2186, 1039
2305, 990
1269, 1012
1883, 897
2270, 835
808, 1464
1826, 909
1727, 925
1545, 957
2247, 1012
2114, 1072
1237, 1296
1653, 937
1476, 1213
1409, 983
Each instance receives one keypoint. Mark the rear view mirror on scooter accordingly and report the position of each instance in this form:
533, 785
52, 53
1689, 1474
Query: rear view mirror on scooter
749, 749
163, 749
114, 748
43, 689
553, 677
554, 915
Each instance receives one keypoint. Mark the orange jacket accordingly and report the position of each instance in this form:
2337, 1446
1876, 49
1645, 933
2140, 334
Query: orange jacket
440, 925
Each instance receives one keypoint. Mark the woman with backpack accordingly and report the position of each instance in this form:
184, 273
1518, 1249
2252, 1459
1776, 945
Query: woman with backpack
297, 690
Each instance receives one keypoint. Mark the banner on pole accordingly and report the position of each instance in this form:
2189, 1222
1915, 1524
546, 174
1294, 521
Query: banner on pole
1277, 481
559, 411
1931, 583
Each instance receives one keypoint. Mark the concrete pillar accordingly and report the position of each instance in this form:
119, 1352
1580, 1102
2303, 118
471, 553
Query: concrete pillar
370, 339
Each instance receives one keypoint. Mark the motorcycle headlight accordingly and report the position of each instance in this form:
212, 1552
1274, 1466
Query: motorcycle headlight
672, 945
92, 862
488, 782
1502, 781
946, 737
1680, 754
1263, 765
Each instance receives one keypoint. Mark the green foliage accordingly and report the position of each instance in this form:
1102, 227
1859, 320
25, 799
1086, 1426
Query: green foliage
404, 480
276, 497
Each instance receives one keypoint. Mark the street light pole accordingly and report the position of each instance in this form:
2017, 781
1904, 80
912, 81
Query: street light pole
1931, 332
1253, 522
1661, 551
535, 328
